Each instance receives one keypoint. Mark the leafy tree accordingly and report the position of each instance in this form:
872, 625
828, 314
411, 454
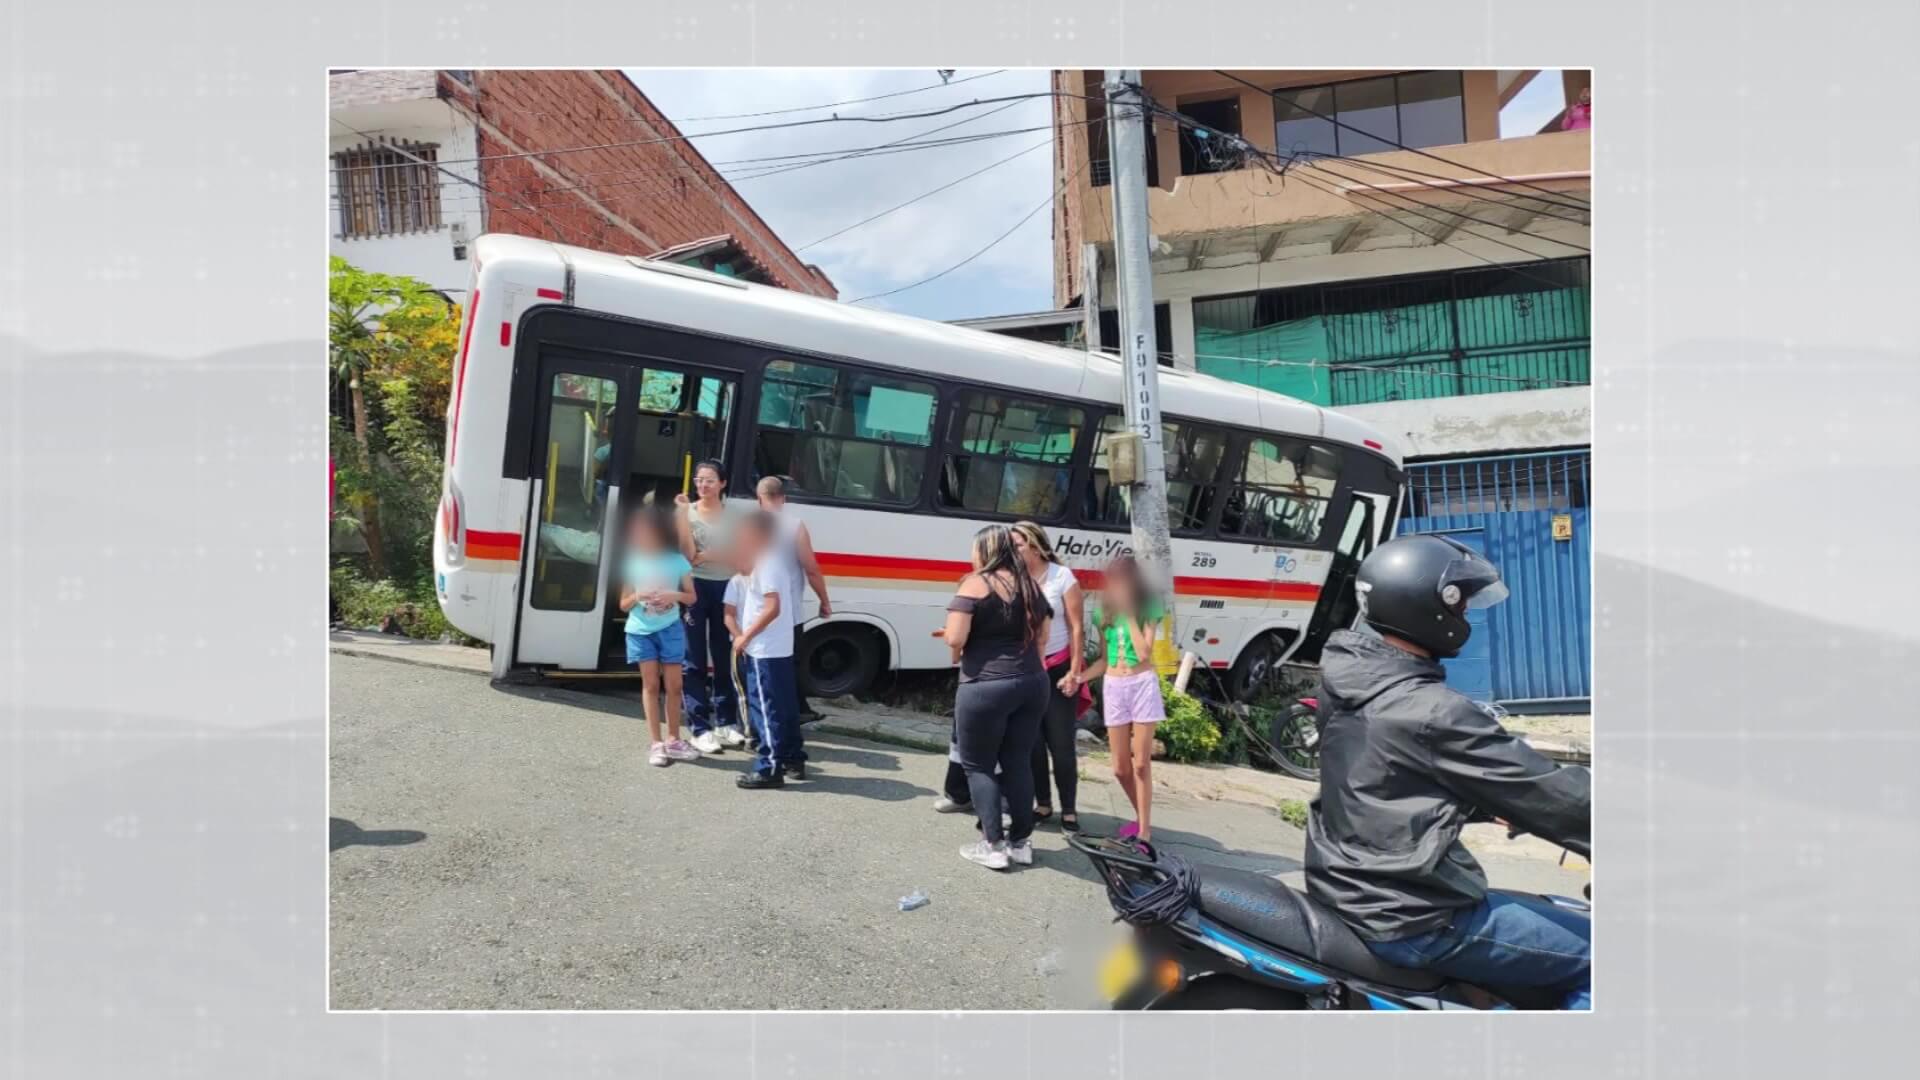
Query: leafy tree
398, 334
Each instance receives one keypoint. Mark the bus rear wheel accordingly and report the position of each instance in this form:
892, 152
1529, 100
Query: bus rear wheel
839, 659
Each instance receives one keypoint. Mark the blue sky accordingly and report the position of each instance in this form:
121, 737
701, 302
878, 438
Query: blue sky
805, 205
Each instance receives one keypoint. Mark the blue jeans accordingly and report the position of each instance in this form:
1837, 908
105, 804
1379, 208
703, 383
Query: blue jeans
708, 702
778, 743
1506, 940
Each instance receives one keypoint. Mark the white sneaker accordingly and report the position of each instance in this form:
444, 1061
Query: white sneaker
678, 750
657, 755
991, 856
1021, 853
731, 736
706, 743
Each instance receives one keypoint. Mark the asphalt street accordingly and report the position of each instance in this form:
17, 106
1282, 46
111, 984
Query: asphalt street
498, 848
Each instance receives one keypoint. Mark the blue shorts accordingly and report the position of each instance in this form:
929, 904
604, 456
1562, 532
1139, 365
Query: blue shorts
668, 645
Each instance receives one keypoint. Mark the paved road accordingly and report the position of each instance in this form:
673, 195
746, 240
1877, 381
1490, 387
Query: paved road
511, 849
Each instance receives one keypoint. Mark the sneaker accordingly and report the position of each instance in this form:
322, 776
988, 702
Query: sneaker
1021, 853
811, 717
991, 856
679, 750
944, 805
795, 771
706, 743
730, 736
657, 755
760, 780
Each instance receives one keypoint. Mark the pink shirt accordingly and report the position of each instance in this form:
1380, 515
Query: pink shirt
1578, 118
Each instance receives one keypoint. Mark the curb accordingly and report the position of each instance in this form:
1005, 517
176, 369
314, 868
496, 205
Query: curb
349, 649
909, 742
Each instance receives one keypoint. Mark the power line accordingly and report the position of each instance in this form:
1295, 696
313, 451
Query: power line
849, 101
751, 129
1391, 142
1578, 217
662, 185
1048, 201
924, 195
1455, 211
1457, 184
1285, 166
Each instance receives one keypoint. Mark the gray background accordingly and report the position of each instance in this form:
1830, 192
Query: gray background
164, 867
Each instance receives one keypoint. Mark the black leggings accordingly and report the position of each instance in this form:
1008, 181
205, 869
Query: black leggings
1056, 741
995, 722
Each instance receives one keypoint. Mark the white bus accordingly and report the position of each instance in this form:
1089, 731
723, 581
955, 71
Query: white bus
588, 383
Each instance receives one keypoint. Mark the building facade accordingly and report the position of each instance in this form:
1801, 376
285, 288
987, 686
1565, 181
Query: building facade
1368, 241
424, 161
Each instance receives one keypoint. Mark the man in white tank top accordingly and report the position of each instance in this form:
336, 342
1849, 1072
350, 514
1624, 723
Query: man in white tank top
796, 545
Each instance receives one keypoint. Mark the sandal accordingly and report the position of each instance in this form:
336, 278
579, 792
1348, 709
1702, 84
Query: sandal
1047, 816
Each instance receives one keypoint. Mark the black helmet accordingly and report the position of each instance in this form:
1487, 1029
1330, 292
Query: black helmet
1420, 587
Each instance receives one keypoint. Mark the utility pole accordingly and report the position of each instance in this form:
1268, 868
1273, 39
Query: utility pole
1139, 352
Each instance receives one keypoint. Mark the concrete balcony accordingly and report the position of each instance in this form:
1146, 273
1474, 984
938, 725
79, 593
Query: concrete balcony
1395, 200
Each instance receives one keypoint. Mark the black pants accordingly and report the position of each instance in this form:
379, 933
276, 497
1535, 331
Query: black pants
995, 723
1056, 742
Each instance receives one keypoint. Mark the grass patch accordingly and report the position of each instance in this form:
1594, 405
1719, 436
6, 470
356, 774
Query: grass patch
1294, 813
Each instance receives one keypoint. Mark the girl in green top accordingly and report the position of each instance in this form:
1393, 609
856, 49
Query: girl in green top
1130, 695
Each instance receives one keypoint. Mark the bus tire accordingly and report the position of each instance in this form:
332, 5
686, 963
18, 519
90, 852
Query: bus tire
1256, 667
840, 659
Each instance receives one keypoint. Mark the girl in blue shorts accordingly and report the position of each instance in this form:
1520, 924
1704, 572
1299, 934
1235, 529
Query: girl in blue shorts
655, 580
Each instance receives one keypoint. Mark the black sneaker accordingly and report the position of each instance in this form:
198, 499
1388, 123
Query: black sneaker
795, 771
760, 780
811, 717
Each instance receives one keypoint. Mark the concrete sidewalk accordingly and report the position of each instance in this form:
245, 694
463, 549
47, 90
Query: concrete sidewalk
1559, 737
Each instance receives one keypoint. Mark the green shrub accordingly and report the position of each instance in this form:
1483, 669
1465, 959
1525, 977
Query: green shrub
386, 605
1188, 731
1294, 813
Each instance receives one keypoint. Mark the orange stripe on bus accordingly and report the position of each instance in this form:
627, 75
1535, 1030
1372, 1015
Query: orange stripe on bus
904, 569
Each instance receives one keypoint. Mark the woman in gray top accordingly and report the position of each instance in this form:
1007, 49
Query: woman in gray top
706, 538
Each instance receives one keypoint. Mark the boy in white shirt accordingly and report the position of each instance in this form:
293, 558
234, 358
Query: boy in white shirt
760, 618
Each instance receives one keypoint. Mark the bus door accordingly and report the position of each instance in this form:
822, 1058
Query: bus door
612, 437
1369, 515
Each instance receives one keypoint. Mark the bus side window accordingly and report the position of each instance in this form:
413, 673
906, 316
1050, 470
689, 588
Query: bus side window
1282, 491
1009, 455
1193, 454
844, 434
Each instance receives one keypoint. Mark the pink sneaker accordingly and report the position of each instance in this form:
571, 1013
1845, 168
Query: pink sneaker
681, 750
1128, 831
657, 755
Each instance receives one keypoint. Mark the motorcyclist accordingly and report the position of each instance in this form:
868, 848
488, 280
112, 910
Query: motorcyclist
1405, 762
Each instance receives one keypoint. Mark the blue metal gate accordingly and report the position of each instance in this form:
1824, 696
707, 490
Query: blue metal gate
1529, 514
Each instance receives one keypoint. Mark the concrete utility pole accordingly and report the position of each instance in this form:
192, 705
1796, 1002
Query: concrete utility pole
1139, 352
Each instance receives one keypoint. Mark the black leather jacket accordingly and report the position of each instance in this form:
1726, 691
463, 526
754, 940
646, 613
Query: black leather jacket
1404, 763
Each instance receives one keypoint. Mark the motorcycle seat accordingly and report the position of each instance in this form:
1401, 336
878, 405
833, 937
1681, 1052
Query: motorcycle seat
1270, 911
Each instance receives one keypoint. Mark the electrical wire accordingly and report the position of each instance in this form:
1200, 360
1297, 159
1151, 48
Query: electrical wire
1456, 187
849, 101
917, 198
1394, 143
754, 129
1454, 211
1048, 201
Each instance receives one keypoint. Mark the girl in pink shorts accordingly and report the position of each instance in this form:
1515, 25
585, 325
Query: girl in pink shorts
1130, 695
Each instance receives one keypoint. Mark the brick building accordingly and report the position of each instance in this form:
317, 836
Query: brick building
424, 161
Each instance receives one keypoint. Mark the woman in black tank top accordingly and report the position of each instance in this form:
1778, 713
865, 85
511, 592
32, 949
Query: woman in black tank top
996, 625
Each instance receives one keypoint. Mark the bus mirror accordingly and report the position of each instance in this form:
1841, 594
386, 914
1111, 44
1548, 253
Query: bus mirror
1123, 457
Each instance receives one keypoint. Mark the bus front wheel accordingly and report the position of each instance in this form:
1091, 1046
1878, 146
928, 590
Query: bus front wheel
839, 659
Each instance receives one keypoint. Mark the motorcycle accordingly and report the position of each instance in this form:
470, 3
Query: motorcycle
1211, 937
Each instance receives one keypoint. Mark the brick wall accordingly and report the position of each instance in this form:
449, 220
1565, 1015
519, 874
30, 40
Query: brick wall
628, 199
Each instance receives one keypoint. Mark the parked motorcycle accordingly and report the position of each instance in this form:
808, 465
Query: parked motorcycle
1210, 937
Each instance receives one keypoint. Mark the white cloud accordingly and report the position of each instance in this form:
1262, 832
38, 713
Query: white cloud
806, 204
